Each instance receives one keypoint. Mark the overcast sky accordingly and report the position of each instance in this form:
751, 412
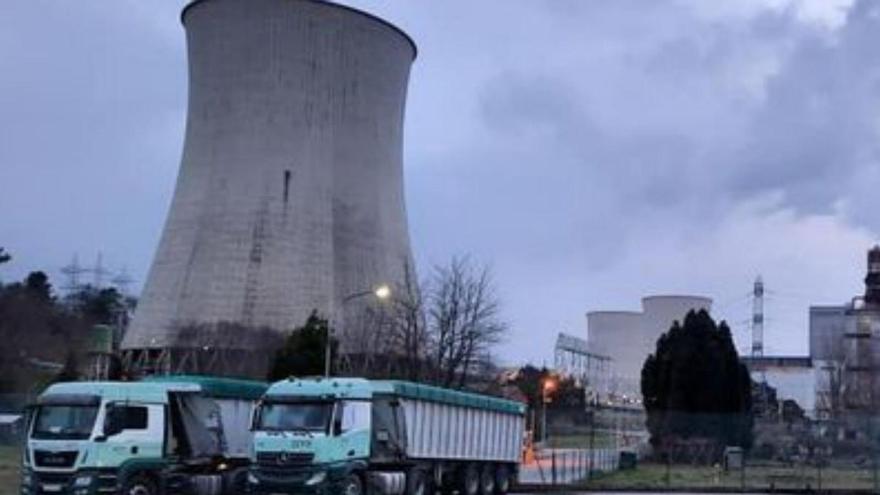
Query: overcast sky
590, 151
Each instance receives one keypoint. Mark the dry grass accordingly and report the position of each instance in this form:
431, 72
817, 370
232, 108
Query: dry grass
754, 478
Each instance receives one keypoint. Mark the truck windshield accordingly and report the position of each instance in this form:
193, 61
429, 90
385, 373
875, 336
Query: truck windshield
64, 422
291, 416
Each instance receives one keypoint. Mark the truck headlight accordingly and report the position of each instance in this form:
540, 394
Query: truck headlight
253, 480
316, 478
82, 481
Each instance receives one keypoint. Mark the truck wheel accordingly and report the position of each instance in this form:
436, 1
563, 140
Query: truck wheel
139, 484
487, 480
469, 484
352, 485
417, 482
502, 480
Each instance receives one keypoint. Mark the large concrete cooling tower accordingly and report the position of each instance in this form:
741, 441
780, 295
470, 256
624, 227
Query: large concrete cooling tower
290, 191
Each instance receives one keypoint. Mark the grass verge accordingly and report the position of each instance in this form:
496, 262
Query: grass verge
10, 459
755, 478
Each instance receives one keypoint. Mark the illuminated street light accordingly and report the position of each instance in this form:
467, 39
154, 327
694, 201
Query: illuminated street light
382, 292
548, 385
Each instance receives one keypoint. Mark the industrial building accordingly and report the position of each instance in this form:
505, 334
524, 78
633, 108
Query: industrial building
793, 377
845, 345
838, 381
290, 195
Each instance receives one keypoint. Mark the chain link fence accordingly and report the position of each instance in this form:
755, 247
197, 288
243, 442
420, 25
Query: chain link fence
782, 455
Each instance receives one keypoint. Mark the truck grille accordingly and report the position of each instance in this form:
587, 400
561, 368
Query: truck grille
283, 460
46, 458
42, 482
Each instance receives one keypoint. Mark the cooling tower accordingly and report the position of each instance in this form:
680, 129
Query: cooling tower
660, 312
289, 196
615, 334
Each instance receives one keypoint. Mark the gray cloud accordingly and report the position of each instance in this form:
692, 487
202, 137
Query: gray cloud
817, 128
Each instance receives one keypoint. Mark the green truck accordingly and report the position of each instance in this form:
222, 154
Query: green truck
354, 436
181, 434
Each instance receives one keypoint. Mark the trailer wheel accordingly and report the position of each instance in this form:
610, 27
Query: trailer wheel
469, 483
487, 480
502, 480
139, 484
352, 485
417, 482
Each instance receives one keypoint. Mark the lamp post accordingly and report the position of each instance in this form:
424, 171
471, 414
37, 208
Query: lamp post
548, 385
381, 292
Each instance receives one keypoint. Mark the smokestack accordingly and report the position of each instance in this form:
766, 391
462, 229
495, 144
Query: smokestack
872, 279
290, 196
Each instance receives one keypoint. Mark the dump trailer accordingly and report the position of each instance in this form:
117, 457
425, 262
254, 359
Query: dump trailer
353, 436
182, 434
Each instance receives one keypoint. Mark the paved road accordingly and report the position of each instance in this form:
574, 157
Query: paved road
569, 465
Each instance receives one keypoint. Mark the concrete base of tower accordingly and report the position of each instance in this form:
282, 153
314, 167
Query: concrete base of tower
244, 363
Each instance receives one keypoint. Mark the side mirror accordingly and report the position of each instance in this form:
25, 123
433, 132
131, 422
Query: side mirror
337, 427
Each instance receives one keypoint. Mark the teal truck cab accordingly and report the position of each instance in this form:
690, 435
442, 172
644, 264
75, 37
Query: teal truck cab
185, 434
354, 436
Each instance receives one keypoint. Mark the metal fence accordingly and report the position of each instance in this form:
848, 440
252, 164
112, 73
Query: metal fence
781, 453
567, 466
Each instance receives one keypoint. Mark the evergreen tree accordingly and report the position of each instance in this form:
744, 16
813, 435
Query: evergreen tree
304, 350
695, 387
37, 284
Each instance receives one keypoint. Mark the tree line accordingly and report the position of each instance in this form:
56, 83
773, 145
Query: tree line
441, 329
45, 335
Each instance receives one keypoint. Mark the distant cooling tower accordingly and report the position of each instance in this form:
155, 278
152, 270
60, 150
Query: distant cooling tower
616, 334
290, 191
660, 312
628, 337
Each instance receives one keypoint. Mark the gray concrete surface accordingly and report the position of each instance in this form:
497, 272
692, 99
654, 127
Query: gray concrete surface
290, 191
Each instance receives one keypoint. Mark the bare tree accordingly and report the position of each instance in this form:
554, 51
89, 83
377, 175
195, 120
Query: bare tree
388, 339
368, 349
463, 320
408, 330
442, 330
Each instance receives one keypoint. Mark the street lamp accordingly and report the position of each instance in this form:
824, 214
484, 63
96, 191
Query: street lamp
548, 385
382, 292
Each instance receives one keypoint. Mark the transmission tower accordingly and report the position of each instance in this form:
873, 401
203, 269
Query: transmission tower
73, 272
98, 271
122, 281
758, 318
